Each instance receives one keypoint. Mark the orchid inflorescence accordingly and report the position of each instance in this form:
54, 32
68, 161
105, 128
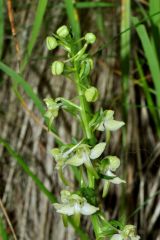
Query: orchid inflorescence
87, 155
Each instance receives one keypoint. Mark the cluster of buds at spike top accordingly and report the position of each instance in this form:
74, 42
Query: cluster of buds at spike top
64, 39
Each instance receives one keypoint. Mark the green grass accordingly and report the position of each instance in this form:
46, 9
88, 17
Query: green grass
125, 49
18, 80
41, 9
27, 170
150, 55
1, 27
73, 18
3, 232
93, 4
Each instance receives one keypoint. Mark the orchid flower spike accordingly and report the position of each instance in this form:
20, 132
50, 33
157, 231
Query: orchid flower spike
73, 204
108, 122
129, 232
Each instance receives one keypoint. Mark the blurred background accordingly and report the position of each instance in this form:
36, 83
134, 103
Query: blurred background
127, 74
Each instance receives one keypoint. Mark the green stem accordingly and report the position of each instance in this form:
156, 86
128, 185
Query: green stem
84, 108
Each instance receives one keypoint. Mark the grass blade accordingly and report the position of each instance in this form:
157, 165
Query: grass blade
25, 167
125, 52
39, 184
3, 233
42, 5
73, 18
93, 4
18, 80
1, 27
150, 56
147, 93
154, 6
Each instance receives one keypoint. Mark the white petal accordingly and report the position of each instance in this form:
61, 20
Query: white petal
116, 237
76, 160
97, 150
64, 209
101, 126
117, 180
113, 125
136, 238
88, 209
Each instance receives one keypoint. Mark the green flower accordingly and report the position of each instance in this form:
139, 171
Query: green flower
108, 122
51, 43
62, 31
109, 165
57, 68
128, 233
90, 38
73, 204
52, 110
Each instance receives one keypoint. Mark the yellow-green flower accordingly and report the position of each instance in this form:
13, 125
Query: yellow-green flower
109, 165
108, 122
128, 233
73, 204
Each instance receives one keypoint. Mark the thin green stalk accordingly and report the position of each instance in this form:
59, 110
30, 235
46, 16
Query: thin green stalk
84, 108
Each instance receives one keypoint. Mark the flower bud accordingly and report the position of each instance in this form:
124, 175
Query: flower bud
86, 67
90, 38
51, 43
114, 162
57, 68
91, 94
129, 231
62, 31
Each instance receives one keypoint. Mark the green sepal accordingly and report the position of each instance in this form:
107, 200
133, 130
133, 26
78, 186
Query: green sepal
65, 220
76, 219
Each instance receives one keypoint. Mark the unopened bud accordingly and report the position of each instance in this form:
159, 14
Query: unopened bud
51, 43
63, 31
57, 68
90, 38
91, 94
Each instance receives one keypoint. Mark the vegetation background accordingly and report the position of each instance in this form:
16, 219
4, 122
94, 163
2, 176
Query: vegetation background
127, 74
